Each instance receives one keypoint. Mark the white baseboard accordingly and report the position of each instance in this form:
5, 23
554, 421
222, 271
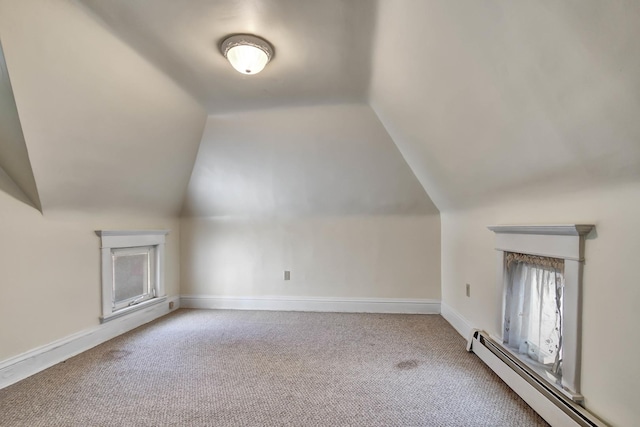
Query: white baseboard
456, 320
26, 364
346, 305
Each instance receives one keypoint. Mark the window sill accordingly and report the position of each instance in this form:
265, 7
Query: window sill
132, 309
542, 375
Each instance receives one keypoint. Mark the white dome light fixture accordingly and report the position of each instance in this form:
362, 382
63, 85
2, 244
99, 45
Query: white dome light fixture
247, 54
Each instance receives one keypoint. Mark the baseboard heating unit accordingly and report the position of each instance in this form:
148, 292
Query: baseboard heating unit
552, 404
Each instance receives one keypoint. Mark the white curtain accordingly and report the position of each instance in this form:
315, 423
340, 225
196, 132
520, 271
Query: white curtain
533, 312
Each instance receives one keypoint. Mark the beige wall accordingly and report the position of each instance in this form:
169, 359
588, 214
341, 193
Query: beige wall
323, 160
321, 191
360, 256
610, 371
112, 142
50, 280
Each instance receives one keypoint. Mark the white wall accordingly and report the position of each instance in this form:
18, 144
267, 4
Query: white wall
352, 257
318, 160
111, 141
504, 101
50, 280
321, 191
610, 371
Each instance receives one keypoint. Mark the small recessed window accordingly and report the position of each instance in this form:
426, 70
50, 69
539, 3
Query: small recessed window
533, 311
132, 270
132, 276
540, 269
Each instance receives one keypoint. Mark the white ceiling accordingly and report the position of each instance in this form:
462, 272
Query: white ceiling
105, 131
507, 99
483, 99
322, 48
491, 99
16, 176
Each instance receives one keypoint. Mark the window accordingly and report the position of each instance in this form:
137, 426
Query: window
540, 278
132, 270
533, 311
132, 276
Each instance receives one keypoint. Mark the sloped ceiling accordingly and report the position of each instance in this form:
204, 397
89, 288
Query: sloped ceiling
322, 48
309, 161
485, 100
491, 99
499, 99
105, 130
16, 176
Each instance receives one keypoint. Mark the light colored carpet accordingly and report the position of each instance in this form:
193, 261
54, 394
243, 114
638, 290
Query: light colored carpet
258, 368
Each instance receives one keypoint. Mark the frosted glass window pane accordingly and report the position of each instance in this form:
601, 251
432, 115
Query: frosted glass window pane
131, 276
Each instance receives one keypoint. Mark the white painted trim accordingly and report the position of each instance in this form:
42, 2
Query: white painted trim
557, 241
551, 403
534, 398
120, 239
553, 230
543, 406
555, 246
346, 305
33, 361
131, 238
455, 319
102, 233
128, 310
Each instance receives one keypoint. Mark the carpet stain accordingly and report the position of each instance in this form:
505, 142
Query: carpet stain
406, 365
116, 354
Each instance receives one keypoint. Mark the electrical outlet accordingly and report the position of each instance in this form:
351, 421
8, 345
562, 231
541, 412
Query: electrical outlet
170, 305
287, 275
468, 290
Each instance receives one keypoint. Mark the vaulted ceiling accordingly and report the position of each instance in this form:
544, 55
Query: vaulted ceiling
104, 130
472, 100
322, 48
302, 161
502, 99
16, 175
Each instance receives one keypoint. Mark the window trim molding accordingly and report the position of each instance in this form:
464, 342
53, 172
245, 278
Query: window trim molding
133, 308
118, 239
556, 241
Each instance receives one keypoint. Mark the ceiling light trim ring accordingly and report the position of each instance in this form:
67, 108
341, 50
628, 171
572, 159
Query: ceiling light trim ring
247, 40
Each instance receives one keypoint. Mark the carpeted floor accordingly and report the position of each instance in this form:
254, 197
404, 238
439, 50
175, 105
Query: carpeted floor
259, 368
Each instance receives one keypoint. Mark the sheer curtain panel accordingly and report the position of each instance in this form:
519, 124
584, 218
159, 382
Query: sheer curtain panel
533, 310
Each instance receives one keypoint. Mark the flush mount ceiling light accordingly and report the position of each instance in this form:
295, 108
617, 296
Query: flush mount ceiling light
247, 54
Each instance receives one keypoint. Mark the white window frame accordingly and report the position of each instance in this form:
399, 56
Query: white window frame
150, 289
111, 240
556, 241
